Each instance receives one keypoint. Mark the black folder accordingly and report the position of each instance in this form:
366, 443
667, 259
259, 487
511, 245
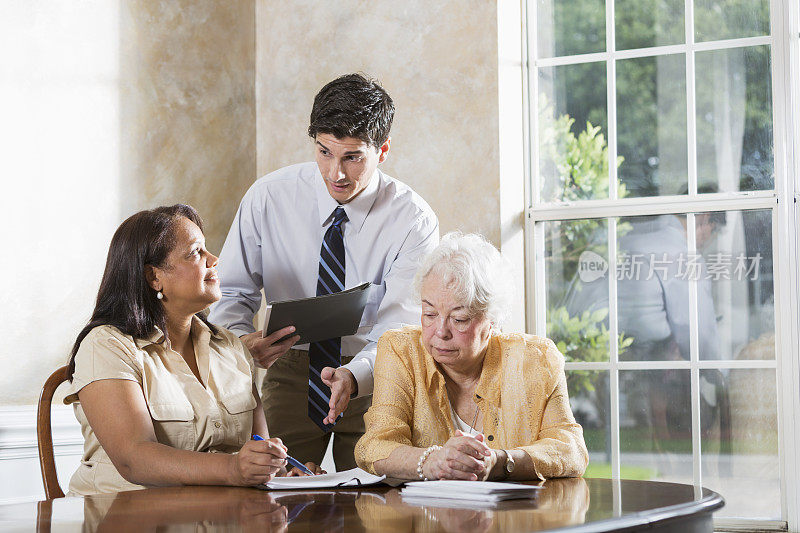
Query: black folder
319, 317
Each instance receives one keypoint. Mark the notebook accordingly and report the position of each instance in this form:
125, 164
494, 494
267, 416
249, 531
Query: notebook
354, 477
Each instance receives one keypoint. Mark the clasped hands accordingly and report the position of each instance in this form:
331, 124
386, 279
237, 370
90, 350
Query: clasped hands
463, 456
267, 350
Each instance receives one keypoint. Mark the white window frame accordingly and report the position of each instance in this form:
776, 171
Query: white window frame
784, 201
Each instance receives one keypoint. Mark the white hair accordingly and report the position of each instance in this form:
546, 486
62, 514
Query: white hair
478, 276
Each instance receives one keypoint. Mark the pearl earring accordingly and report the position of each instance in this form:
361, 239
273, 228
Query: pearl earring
160, 295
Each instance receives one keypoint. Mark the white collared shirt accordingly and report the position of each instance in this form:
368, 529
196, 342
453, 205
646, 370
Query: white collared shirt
274, 243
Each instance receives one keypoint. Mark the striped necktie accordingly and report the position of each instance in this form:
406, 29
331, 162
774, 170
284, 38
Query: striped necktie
327, 352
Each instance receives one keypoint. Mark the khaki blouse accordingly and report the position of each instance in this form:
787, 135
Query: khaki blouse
522, 393
217, 417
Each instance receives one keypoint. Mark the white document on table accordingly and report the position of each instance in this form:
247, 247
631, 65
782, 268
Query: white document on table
349, 478
478, 491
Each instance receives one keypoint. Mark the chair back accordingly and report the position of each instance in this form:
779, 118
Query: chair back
44, 435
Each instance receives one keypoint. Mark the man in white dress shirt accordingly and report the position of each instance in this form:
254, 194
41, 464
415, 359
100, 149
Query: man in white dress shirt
275, 242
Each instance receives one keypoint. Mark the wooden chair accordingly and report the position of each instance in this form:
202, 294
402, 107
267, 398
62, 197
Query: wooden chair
44, 435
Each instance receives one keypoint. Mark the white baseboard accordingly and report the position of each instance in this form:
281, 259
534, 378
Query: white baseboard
20, 476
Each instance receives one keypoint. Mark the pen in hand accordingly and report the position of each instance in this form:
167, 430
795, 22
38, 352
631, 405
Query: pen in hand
291, 460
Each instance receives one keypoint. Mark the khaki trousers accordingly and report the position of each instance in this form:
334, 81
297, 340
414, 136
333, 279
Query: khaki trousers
285, 397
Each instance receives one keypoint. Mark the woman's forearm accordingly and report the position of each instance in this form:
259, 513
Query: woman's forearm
559, 454
259, 419
401, 463
524, 468
155, 464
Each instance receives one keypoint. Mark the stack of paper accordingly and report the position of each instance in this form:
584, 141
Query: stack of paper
475, 491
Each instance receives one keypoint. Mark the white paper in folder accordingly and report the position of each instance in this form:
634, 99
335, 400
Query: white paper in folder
349, 478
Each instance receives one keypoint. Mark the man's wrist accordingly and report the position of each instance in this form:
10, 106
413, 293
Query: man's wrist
353, 382
362, 373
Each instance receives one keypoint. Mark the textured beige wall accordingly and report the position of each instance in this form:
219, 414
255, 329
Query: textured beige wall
188, 107
109, 107
438, 61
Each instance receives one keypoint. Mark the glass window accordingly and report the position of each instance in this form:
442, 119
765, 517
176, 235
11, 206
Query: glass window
657, 273
648, 23
651, 125
740, 437
589, 398
656, 424
730, 19
735, 287
569, 28
577, 288
653, 288
734, 120
573, 122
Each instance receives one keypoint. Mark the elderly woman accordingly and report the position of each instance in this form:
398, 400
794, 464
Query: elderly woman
154, 384
457, 399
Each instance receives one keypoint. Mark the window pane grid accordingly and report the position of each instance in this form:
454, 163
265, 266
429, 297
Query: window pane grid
710, 109
622, 454
611, 105
653, 205
694, 354
611, 56
616, 463
655, 51
691, 104
663, 365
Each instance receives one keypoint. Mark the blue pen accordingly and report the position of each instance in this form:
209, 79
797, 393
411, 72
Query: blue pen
291, 460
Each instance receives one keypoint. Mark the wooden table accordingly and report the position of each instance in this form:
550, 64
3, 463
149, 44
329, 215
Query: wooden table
575, 504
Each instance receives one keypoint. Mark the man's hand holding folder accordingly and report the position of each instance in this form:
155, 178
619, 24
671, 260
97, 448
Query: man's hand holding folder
331, 315
267, 350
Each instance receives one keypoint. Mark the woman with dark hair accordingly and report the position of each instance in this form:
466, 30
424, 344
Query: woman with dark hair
155, 386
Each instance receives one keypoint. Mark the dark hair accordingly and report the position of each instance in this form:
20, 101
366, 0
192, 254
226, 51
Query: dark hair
353, 106
125, 300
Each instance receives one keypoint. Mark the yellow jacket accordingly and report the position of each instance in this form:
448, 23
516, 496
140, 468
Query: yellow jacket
522, 393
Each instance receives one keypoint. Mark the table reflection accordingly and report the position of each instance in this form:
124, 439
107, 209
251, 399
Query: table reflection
562, 502
169, 508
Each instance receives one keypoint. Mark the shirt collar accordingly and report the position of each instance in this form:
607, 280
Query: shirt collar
200, 326
157, 336
488, 385
490, 381
356, 209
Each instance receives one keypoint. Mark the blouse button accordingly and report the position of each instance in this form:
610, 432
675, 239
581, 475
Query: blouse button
490, 437
217, 425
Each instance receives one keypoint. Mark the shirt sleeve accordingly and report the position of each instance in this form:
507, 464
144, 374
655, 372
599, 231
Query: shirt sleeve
559, 450
240, 267
397, 306
104, 354
388, 420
